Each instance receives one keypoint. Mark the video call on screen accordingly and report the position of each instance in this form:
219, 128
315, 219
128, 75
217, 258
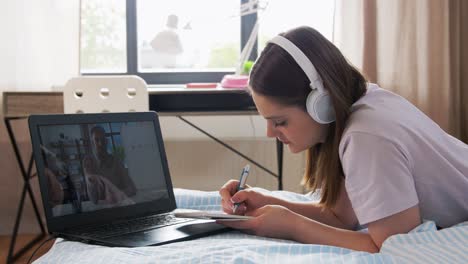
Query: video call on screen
89, 167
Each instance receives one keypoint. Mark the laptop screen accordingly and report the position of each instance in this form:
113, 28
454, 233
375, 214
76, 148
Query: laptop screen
96, 166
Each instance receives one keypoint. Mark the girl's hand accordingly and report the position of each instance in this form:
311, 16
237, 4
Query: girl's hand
249, 198
270, 221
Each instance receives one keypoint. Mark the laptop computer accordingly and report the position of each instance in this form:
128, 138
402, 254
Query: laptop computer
104, 179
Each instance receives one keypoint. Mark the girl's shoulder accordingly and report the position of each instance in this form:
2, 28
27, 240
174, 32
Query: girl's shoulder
379, 112
382, 117
383, 112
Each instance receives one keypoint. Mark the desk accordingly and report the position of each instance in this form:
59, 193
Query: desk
166, 101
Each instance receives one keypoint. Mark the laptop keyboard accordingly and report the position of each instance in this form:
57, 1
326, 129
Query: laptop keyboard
131, 226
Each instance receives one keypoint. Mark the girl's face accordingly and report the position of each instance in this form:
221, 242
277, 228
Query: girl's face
290, 124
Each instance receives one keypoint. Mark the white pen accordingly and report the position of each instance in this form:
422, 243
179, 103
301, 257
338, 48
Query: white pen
241, 185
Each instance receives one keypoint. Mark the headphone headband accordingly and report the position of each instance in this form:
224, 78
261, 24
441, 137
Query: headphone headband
318, 102
301, 59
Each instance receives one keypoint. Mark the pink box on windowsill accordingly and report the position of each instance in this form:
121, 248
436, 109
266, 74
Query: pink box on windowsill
235, 81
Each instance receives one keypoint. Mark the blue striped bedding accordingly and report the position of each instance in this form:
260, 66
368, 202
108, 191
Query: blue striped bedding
422, 245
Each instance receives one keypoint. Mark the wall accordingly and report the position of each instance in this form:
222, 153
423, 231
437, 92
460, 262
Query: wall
39, 47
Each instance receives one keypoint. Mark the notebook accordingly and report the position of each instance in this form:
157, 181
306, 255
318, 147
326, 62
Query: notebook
104, 179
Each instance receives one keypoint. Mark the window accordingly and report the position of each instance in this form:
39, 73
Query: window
180, 41
103, 37
172, 37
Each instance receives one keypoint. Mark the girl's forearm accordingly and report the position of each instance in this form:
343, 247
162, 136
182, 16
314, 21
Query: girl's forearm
312, 232
315, 212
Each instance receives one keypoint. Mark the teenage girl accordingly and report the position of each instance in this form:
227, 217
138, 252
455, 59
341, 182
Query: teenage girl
376, 160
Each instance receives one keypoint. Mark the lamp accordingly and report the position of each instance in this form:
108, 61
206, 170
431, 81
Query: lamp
238, 80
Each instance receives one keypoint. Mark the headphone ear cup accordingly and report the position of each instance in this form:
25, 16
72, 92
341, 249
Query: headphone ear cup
319, 107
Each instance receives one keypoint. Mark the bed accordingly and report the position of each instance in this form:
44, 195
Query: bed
424, 244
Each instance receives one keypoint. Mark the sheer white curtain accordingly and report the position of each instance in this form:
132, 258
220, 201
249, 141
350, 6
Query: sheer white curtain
39, 49
40, 43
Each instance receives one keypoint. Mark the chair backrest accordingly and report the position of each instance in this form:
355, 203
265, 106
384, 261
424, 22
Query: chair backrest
95, 94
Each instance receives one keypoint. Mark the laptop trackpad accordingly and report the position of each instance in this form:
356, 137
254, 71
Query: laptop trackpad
168, 234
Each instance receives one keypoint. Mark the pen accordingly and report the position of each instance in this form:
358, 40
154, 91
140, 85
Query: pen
241, 185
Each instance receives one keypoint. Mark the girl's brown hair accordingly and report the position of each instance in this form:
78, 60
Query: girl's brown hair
277, 76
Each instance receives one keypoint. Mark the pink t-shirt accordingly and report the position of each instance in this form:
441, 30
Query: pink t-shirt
395, 157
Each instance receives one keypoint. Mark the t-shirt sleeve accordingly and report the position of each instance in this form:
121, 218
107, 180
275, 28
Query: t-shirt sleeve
378, 176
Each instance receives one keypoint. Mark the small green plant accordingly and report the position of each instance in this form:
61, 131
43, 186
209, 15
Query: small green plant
247, 67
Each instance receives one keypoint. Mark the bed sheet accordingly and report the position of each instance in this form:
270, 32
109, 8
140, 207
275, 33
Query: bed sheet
425, 244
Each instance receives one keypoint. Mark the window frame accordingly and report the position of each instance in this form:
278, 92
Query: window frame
171, 78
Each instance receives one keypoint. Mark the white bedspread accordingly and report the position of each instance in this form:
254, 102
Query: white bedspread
422, 245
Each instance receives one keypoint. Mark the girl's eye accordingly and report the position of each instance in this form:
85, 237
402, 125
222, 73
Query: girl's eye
282, 123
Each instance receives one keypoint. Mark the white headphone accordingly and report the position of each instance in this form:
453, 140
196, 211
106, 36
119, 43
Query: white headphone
318, 103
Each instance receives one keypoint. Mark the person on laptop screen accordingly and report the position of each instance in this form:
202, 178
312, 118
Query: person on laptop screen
107, 165
105, 175
96, 166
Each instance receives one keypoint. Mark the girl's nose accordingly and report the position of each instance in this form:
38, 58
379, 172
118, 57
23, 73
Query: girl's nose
271, 130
